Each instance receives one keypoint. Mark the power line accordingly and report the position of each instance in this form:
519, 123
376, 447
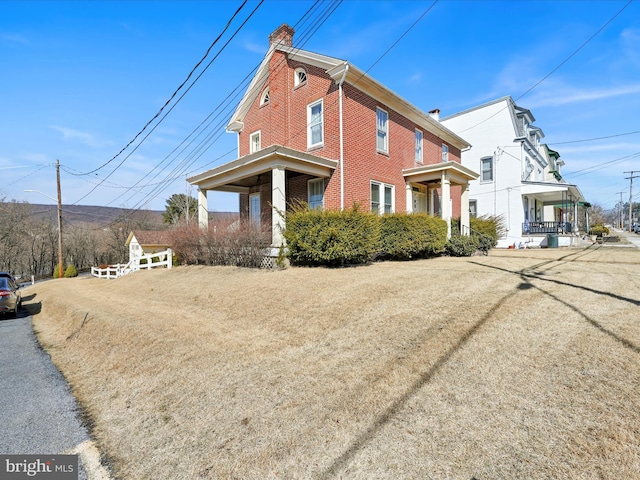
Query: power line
173, 94
205, 144
556, 68
595, 138
601, 165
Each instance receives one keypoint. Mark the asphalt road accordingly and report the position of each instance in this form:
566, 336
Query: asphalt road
38, 414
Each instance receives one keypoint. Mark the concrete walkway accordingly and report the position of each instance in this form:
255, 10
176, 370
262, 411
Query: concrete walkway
39, 414
629, 238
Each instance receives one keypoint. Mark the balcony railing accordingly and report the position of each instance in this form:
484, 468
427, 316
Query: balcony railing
534, 228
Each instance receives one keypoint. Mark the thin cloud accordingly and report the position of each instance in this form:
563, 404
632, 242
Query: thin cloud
14, 38
83, 137
565, 96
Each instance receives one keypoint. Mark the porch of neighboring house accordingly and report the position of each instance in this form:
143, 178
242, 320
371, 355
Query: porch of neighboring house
551, 211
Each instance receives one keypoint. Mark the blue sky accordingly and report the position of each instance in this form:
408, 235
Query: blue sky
81, 79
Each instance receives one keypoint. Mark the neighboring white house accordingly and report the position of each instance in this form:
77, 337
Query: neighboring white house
520, 177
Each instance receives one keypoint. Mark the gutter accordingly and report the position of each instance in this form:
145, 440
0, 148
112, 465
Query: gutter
344, 75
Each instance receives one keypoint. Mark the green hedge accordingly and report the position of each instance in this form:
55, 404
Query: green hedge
334, 238
331, 238
405, 236
70, 272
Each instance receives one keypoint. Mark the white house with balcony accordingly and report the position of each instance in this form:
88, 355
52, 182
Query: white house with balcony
520, 177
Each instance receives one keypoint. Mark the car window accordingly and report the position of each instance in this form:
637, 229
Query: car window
4, 284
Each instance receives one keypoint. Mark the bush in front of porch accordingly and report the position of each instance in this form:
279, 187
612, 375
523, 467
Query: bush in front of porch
417, 235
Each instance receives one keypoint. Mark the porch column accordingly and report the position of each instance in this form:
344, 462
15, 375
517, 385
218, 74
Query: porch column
409, 198
464, 211
445, 202
575, 217
278, 205
203, 209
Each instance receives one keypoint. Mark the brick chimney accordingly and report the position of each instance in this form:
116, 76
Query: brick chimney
435, 114
282, 35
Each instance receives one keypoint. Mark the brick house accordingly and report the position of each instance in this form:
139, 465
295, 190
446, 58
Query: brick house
318, 128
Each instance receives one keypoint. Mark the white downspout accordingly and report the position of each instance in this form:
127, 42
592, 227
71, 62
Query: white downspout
346, 69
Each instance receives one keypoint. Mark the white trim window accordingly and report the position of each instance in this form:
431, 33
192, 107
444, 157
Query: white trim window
486, 169
264, 98
419, 137
315, 124
445, 153
473, 208
382, 198
382, 129
299, 77
254, 142
315, 189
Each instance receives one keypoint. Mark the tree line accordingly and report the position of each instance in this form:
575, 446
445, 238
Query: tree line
29, 240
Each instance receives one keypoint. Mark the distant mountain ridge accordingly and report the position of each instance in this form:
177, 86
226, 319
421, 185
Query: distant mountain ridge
97, 215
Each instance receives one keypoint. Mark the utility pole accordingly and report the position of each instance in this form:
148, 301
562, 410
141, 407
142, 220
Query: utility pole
620, 210
60, 259
631, 177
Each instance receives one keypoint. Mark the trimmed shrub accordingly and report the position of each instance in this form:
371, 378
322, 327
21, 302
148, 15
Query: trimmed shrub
461, 246
404, 236
599, 230
330, 238
58, 272
70, 272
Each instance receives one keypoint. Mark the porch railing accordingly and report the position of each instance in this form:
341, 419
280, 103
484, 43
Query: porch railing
534, 228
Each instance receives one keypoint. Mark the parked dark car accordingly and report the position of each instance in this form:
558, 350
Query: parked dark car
10, 297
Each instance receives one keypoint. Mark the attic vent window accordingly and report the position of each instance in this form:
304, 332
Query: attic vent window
300, 77
264, 99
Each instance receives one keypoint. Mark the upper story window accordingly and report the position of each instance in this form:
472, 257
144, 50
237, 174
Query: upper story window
315, 124
381, 198
299, 77
486, 169
264, 98
316, 193
418, 146
254, 142
382, 122
445, 153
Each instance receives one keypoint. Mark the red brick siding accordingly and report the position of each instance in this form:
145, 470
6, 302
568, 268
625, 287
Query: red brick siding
283, 121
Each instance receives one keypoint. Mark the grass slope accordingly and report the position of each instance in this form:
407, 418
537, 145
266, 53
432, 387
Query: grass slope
522, 364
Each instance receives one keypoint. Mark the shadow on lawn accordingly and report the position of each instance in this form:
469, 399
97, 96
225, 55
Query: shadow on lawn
395, 407
526, 275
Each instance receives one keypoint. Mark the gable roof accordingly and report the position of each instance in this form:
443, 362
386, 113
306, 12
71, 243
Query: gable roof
160, 238
341, 71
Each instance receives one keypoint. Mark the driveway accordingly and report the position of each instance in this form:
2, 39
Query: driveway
39, 414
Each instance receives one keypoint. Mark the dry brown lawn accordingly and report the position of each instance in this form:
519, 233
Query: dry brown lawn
518, 365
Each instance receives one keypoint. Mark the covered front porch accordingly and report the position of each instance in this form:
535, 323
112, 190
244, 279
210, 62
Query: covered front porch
262, 178
551, 208
429, 190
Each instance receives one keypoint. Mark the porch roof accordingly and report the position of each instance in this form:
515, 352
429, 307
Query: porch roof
240, 174
458, 173
550, 192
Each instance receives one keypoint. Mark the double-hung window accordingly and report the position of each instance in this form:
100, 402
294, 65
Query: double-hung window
382, 123
419, 146
486, 169
381, 198
254, 209
445, 153
254, 142
315, 124
316, 193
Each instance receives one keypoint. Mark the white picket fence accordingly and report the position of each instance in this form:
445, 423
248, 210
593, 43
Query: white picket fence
152, 260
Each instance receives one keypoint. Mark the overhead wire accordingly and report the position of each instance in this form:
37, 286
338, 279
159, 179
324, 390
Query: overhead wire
226, 27
179, 170
530, 89
215, 131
